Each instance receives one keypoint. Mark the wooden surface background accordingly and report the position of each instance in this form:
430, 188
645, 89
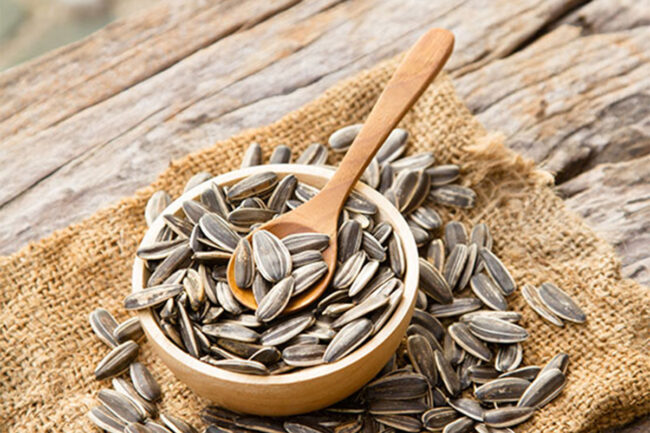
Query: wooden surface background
567, 82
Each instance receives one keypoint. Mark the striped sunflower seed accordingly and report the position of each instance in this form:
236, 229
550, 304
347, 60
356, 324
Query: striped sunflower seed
347, 339
400, 422
106, 420
531, 296
393, 147
282, 192
219, 231
447, 373
443, 174
281, 155
231, 331
304, 355
286, 330
299, 242
397, 407
461, 425
276, 300
454, 196
349, 240
348, 271
461, 334
226, 299
561, 304
434, 284
151, 296
252, 156
130, 329
546, 386
272, 257
497, 331
315, 154
117, 360
509, 357
437, 418
397, 386
252, 185
502, 390
458, 307
244, 265
508, 416
421, 355
242, 366
528, 372
498, 272
485, 289
559, 361
177, 425
455, 265
307, 275
468, 407
427, 218
342, 138
119, 405
103, 325
144, 382
436, 254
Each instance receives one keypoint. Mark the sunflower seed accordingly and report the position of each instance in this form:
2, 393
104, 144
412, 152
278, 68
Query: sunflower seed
397, 407
508, 416
103, 324
393, 147
405, 186
227, 299
433, 283
348, 339
371, 175
146, 408
231, 331
305, 258
303, 426
119, 405
560, 303
436, 254
151, 296
244, 265
179, 226
427, 218
458, 307
415, 329
497, 331
252, 156
304, 355
197, 179
418, 161
503, 390
242, 366
299, 242
194, 210
482, 373
160, 250
315, 154
531, 296
193, 286
130, 329
447, 373
154, 427
247, 216
186, 332
348, 271
106, 420
546, 386
485, 289
275, 301
461, 334
363, 309
349, 239
429, 322
250, 186
219, 231
559, 361
455, 233
455, 265
177, 425
509, 357
498, 272
396, 255
144, 382
282, 193
420, 235
286, 330
386, 177
443, 174
364, 276
174, 261
342, 138
260, 287
453, 195
421, 355
307, 275
528, 372
437, 418
372, 247
397, 386
117, 360
281, 155
510, 316
214, 200
468, 407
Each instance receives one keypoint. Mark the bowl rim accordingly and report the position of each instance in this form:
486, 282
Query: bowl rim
403, 311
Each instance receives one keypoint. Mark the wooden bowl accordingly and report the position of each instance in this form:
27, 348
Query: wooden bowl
307, 389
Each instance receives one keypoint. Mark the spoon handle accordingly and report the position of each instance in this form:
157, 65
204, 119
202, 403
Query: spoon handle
420, 66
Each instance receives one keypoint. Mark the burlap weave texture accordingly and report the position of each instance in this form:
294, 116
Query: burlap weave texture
48, 352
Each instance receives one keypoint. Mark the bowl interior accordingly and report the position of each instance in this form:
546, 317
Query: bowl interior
316, 176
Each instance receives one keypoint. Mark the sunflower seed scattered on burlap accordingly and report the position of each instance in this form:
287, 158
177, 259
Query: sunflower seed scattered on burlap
454, 341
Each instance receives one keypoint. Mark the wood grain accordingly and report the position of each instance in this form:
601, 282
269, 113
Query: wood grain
566, 81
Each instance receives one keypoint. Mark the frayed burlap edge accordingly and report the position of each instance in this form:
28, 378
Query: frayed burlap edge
48, 288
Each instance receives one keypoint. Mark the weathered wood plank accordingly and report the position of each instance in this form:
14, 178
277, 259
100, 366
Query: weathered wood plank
265, 61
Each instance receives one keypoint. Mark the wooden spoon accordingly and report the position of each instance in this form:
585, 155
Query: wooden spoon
321, 214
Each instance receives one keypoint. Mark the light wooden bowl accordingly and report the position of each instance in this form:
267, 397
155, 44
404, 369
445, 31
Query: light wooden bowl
304, 390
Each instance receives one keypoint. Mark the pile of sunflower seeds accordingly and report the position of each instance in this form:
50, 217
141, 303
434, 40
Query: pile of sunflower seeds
459, 369
130, 406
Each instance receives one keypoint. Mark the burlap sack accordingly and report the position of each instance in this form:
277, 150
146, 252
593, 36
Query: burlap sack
48, 288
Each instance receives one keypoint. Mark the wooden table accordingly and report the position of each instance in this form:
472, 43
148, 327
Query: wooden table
567, 81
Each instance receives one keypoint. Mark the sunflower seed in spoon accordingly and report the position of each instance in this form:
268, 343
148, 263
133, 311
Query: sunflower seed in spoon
299, 242
276, 300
